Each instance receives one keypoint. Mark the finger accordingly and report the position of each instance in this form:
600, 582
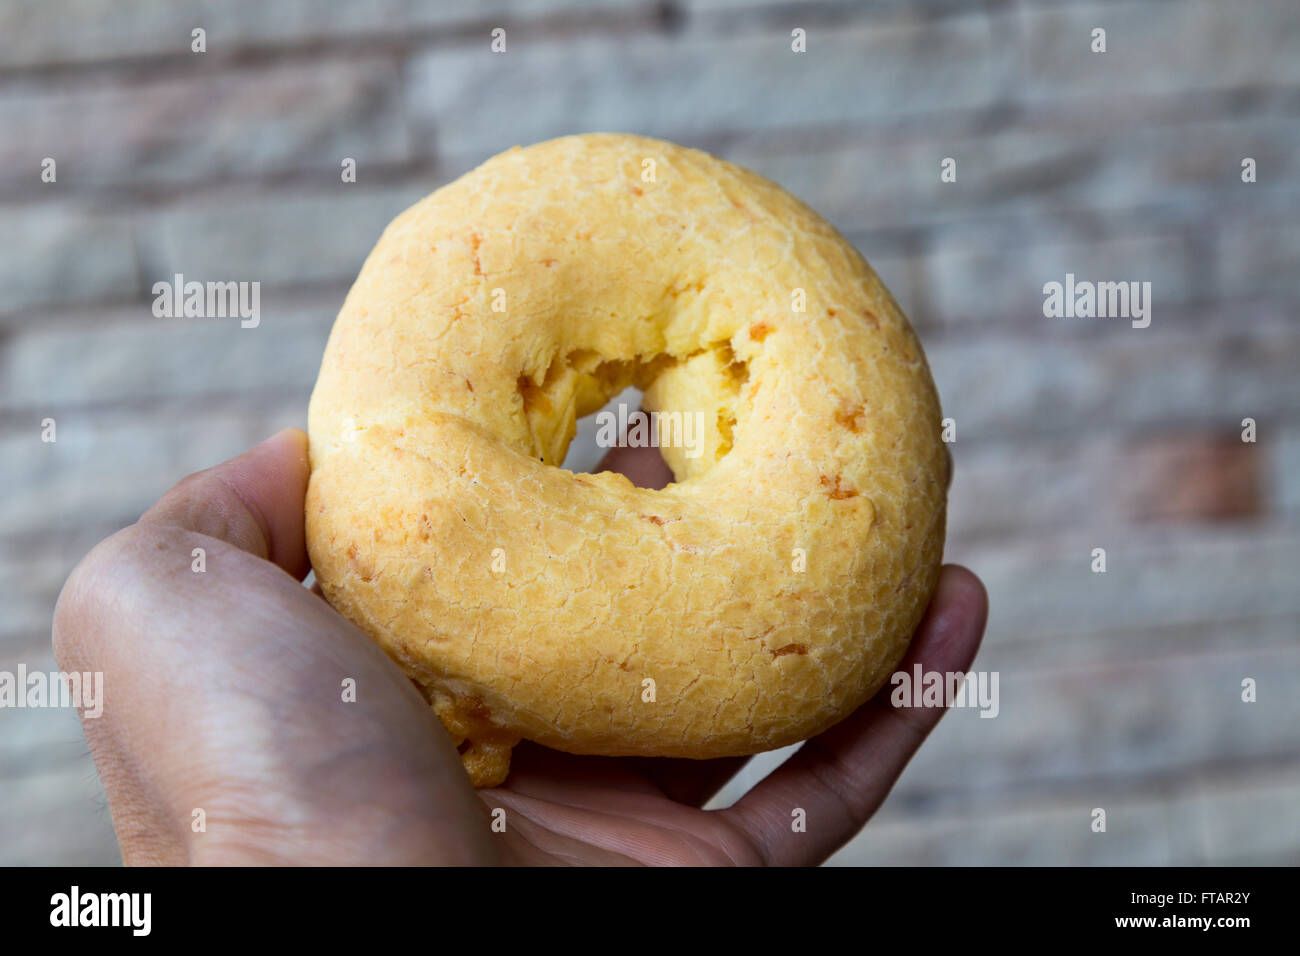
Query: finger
253, 501
842, 776
644, 467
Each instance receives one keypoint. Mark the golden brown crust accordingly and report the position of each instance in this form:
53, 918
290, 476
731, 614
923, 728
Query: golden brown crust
757, 601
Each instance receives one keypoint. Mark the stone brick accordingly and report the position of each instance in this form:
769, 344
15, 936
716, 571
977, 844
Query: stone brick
1055, 380
1251, 822
296, 237
64, 254
997, 270
1120, 721
1195, 475
1155, 49
1042, 589
177, 127
110, 466
1041, 175
1012, 487
1261, 254
1004, 488
135, 357
474, 103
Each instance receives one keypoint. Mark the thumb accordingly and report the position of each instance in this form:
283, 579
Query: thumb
253, 501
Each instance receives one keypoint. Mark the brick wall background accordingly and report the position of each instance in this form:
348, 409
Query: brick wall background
1119, 690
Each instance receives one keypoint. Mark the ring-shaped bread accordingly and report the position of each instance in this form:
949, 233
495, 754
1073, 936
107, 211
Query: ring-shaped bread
756, 601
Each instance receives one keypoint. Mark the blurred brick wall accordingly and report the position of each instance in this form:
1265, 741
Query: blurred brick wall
1118, 690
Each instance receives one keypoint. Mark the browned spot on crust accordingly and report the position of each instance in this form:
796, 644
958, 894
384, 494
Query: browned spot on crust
352, 551
790, 649
462, 471
853, 417
549, 262
636, 190
836, 488
759, 331
469, 385
871, 319
475, 241
743, 208
477, 710
653, 519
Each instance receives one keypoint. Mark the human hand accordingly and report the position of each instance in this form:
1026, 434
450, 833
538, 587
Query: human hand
223, 693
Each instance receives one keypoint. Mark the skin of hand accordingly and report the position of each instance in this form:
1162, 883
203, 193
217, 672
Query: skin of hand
223, 693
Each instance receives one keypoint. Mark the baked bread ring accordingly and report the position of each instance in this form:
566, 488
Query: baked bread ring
757, 600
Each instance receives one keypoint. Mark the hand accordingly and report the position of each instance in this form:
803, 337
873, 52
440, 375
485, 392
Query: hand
223, 694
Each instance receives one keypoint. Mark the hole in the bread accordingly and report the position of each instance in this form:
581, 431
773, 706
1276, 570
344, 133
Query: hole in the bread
655, 419
642, 466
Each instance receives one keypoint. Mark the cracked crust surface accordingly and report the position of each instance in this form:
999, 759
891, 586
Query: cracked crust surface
760, 598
